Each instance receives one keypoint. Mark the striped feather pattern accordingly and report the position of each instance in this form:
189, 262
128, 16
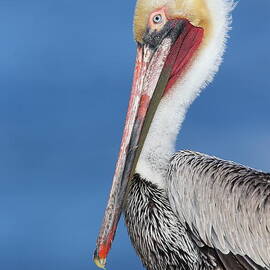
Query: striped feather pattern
226, 205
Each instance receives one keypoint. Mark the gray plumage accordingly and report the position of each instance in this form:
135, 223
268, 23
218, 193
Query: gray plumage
214, 215
159, 238
226, 205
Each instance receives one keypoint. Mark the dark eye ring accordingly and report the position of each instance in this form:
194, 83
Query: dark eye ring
157, 18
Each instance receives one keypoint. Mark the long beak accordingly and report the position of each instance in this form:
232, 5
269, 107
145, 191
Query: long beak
155, 71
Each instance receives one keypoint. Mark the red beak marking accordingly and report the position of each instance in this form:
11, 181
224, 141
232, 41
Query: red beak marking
182, 52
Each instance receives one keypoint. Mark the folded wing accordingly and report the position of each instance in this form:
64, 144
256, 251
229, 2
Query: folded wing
225, 205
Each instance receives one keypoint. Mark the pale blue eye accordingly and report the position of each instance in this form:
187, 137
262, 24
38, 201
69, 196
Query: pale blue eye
157, 18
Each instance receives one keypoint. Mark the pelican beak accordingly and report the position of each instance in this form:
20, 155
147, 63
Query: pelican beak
161, 59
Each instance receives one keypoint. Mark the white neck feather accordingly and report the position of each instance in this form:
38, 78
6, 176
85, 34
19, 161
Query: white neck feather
160, 142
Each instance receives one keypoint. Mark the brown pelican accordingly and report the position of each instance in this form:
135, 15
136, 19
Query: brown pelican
183, 210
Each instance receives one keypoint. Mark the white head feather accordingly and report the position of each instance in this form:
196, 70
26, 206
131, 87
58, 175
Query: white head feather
160, 142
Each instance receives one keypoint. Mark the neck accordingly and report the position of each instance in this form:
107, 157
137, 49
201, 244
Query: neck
159, 145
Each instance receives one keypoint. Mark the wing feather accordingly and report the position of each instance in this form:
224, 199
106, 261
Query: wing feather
225, 205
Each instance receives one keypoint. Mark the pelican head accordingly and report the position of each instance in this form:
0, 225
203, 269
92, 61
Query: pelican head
171, 38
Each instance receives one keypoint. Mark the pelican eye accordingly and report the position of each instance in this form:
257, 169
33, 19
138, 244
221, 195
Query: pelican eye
157, 19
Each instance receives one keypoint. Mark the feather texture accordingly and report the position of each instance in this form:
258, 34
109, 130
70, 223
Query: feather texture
159, 238
226, 205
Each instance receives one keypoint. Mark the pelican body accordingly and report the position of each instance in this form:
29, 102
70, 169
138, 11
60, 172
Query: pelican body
183, 210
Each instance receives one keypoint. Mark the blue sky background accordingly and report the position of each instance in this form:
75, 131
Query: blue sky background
65, 76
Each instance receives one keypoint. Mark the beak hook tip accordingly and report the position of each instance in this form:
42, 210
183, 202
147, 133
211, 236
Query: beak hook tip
101, 263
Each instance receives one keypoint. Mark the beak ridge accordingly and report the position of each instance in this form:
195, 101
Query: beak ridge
155, 71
